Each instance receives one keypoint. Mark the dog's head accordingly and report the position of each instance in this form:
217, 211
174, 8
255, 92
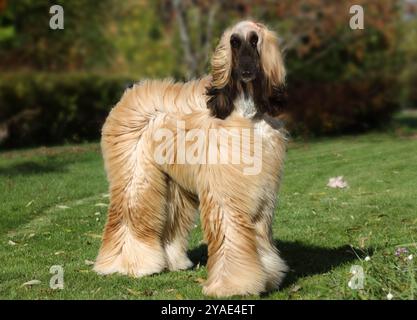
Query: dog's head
247, 59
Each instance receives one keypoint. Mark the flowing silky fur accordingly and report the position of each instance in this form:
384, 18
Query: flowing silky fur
153, 206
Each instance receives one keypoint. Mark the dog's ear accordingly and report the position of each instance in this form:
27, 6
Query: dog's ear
269, 100
220, 101
271, 59
277, 100
221, 91
270, 90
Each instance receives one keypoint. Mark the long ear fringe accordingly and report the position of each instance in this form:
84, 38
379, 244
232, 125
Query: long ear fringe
221, 91
270, 101
271, 59
221, 62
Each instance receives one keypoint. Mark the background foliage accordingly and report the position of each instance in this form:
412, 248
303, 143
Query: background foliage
58, 85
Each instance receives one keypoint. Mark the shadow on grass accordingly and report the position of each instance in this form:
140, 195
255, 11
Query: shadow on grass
31, 168
306, 260
52, 164
303, 259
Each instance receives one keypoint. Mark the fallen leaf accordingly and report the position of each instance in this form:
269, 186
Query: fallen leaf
93, 235
317, 194
362, 242
148, 292
96, 291
100, 204
295, 288
199, 280
135, 293
84, 270
31, 283
29, 203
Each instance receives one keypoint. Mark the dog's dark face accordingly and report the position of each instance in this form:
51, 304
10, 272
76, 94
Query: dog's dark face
247, 61
245, 57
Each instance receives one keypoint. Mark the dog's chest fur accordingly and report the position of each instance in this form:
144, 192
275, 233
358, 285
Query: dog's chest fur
265, 125
245, 105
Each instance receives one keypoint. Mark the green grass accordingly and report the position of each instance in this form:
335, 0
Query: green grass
52, 213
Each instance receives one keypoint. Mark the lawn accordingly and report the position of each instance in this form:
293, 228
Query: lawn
53, 204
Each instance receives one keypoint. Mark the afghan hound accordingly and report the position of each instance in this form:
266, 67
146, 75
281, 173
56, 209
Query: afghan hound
156, 189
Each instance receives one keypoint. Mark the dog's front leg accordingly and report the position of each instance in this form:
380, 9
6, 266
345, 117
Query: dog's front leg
234, 266
273, 264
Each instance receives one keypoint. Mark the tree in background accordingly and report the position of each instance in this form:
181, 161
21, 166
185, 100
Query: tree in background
339, 79
142, 47
312, 31
176, 37
408, 49
27, 42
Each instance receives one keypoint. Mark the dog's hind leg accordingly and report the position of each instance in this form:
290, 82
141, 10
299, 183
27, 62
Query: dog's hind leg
182, 208
132, 239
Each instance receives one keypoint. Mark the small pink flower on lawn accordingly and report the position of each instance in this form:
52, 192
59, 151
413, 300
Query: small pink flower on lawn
401, 252
337, 182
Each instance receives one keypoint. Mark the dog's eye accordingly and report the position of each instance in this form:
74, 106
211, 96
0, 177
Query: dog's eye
235, 42
253, 40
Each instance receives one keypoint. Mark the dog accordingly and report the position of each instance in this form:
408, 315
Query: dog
156, 191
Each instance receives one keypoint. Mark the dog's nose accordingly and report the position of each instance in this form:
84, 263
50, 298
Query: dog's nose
246, 74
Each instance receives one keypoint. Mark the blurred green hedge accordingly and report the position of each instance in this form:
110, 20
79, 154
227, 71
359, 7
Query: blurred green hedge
42, 109
349, 106
37, 109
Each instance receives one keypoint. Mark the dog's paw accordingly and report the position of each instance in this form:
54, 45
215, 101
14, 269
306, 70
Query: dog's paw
177, 258
134, 270
180, 264
220, 290
136, 259
178, 261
